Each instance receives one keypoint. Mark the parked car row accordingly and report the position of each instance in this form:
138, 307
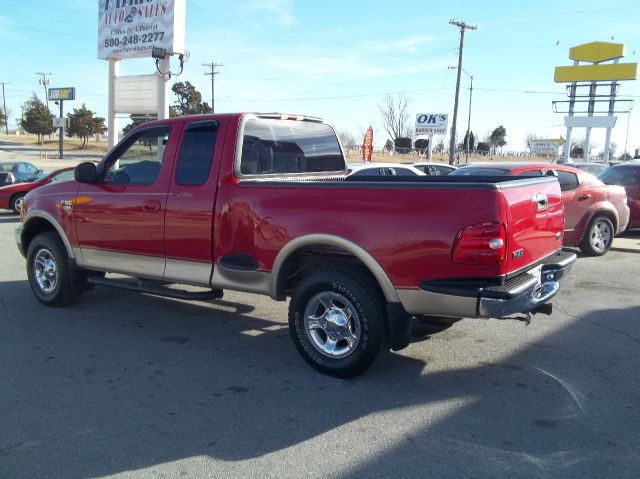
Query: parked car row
17, 172
12, 194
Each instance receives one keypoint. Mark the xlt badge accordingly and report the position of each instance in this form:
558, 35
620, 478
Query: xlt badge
517, 253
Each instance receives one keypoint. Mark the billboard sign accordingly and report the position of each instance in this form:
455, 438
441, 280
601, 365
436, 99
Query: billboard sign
431, 123
545, 147
55, 94
130, 29
136, 94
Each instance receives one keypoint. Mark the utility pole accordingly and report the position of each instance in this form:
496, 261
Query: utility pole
6, 115
212, 73
44, 81
452, 142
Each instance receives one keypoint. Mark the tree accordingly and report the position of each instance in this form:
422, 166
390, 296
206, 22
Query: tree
484, 148
37, 120
137, 120
421, 145
395, 116
530, 138
497, 137
347, 140
83, 124
472, 142
403, 145
388, 145
188, 100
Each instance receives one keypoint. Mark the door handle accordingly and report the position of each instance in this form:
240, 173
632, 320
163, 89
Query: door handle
151, 206
584, 197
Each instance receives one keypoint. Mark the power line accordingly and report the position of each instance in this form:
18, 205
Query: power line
43, 30
212, 73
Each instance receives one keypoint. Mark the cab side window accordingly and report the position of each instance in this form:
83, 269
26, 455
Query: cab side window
196, 153
568, 181
140, 160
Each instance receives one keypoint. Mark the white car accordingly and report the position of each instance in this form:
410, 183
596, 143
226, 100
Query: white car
383, 169
433, 169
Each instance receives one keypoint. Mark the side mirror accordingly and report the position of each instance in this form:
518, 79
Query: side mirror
86, 173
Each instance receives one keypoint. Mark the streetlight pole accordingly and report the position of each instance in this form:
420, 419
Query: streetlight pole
468, 137
469, 119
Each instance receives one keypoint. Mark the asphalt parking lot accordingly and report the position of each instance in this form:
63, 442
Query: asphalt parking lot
129, 385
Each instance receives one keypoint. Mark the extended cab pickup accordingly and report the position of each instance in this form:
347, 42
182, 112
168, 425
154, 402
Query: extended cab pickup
261, 204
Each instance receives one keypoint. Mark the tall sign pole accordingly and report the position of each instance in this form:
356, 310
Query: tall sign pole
452, 142
112, 126
60, 95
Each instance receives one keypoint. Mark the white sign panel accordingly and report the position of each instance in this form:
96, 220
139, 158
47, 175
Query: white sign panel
431, 123
131, 28
60, 122
545, 147
137, 94
590, 121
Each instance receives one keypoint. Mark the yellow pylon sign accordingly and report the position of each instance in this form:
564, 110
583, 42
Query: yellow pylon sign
559, 141
607, 72
595, 53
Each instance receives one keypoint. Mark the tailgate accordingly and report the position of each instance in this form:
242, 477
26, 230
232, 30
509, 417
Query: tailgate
534, 214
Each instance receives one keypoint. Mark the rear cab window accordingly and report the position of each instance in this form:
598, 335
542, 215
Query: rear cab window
273, 146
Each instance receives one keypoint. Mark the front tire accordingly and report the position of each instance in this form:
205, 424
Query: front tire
16, 202
337, 321
49, 272
598, 237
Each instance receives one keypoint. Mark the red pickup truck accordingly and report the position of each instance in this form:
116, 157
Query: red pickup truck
261, 204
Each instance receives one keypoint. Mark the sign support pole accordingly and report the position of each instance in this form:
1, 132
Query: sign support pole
114, 72
163, 88
430, 148
61, 139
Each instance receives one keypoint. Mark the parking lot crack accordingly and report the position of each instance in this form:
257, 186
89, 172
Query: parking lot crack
594, 323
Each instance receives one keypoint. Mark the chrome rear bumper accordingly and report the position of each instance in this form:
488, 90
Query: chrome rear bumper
473, 298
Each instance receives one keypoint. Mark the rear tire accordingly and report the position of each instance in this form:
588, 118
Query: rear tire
49, 272
16, 202
337, 321
598, 237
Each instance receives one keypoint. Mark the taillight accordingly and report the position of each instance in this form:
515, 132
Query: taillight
484, 243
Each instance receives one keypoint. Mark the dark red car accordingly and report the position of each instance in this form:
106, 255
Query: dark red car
628, 176
11, 196
594, 212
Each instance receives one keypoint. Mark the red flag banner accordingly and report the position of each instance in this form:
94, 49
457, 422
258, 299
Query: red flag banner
367, 145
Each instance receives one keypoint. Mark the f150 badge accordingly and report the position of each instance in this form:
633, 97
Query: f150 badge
517, 253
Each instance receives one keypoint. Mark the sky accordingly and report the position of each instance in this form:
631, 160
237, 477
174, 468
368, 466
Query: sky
337, 59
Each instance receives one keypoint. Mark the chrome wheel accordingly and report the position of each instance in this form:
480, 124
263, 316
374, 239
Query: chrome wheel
45, 271
333, 325
17, 204
601, 235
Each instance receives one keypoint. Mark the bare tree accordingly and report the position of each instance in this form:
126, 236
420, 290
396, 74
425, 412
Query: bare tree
395, 116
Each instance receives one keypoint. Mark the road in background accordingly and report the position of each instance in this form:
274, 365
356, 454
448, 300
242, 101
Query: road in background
128, 385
